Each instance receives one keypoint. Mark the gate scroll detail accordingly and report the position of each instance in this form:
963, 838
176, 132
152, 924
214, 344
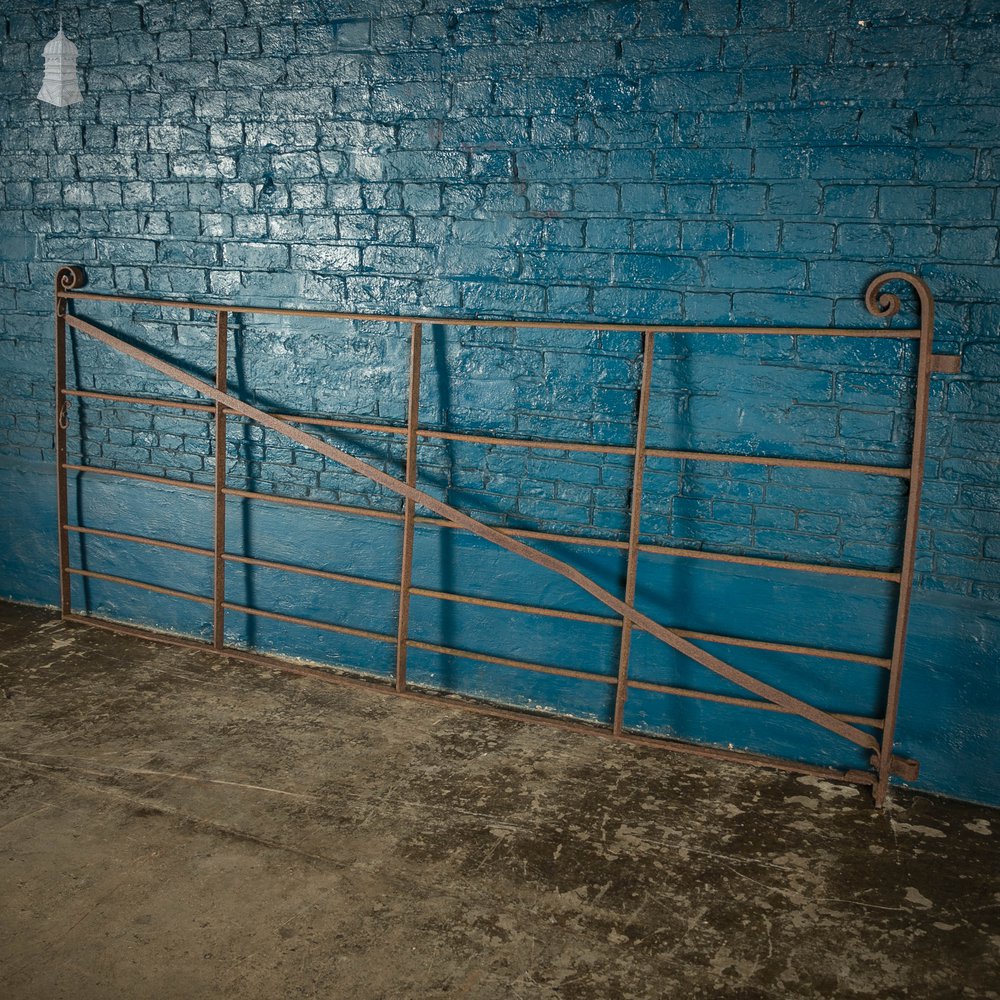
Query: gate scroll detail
855, 730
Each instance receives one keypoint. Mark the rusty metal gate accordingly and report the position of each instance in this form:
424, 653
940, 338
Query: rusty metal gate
856, 730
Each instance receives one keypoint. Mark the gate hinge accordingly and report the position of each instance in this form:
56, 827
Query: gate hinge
904, 768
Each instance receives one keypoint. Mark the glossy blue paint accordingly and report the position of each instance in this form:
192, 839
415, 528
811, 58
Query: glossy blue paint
699, 163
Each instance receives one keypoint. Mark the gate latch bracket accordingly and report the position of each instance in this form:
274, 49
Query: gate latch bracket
904, 768
946, 364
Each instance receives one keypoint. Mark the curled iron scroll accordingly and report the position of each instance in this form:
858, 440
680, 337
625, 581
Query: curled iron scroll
886, 304
67, 279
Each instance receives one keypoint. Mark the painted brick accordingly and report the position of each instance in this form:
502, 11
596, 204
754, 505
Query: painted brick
937, 164
705, 236
919, 241
689, 199
656, 269
964, 281
596, 198
795, 200
615, 234
871, 426
900, 203
963, 204
183, 252
880, 165
642, 198
255, 256
756, 237
711, 16
773, 517
696, 164
850, 201
807, 237
730, 272
636, 303
630, 165
974, 243
706, 128
740, 200
869, 242
325, 258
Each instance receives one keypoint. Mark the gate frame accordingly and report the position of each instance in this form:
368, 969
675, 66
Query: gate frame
879, 303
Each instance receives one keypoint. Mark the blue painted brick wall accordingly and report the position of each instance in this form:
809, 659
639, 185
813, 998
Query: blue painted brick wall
705, 162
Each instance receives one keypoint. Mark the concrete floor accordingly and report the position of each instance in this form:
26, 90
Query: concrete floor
175, 825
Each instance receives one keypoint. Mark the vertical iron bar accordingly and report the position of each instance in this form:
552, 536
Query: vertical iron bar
62, 406
221, 383
910, 535
406, 573
635, 519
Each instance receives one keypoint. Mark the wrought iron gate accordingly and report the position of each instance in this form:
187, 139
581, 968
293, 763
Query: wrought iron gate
859, 731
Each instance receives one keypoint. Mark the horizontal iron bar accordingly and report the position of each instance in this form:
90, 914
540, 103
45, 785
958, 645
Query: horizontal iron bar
141, 539
339, 508
360, 633
683, 553
542, 444
530, 609
772, 460
141, 476
340, 423
725, 699
554, 444
784, 647
544, 536
583, 540
361, 581
900, 333
155, 588
115, 397
872, 574
452, 702
901, 767
862, 720
385, 515
506, 661
539, 444
579, 616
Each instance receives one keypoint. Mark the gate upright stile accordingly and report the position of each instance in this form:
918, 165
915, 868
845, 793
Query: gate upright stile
69, 281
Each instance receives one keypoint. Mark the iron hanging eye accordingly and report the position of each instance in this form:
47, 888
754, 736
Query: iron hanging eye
67, 278
885, 305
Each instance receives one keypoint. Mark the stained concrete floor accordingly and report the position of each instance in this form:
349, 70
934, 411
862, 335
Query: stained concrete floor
176, 825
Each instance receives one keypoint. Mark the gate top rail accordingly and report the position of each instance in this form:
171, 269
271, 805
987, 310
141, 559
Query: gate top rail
68, 290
